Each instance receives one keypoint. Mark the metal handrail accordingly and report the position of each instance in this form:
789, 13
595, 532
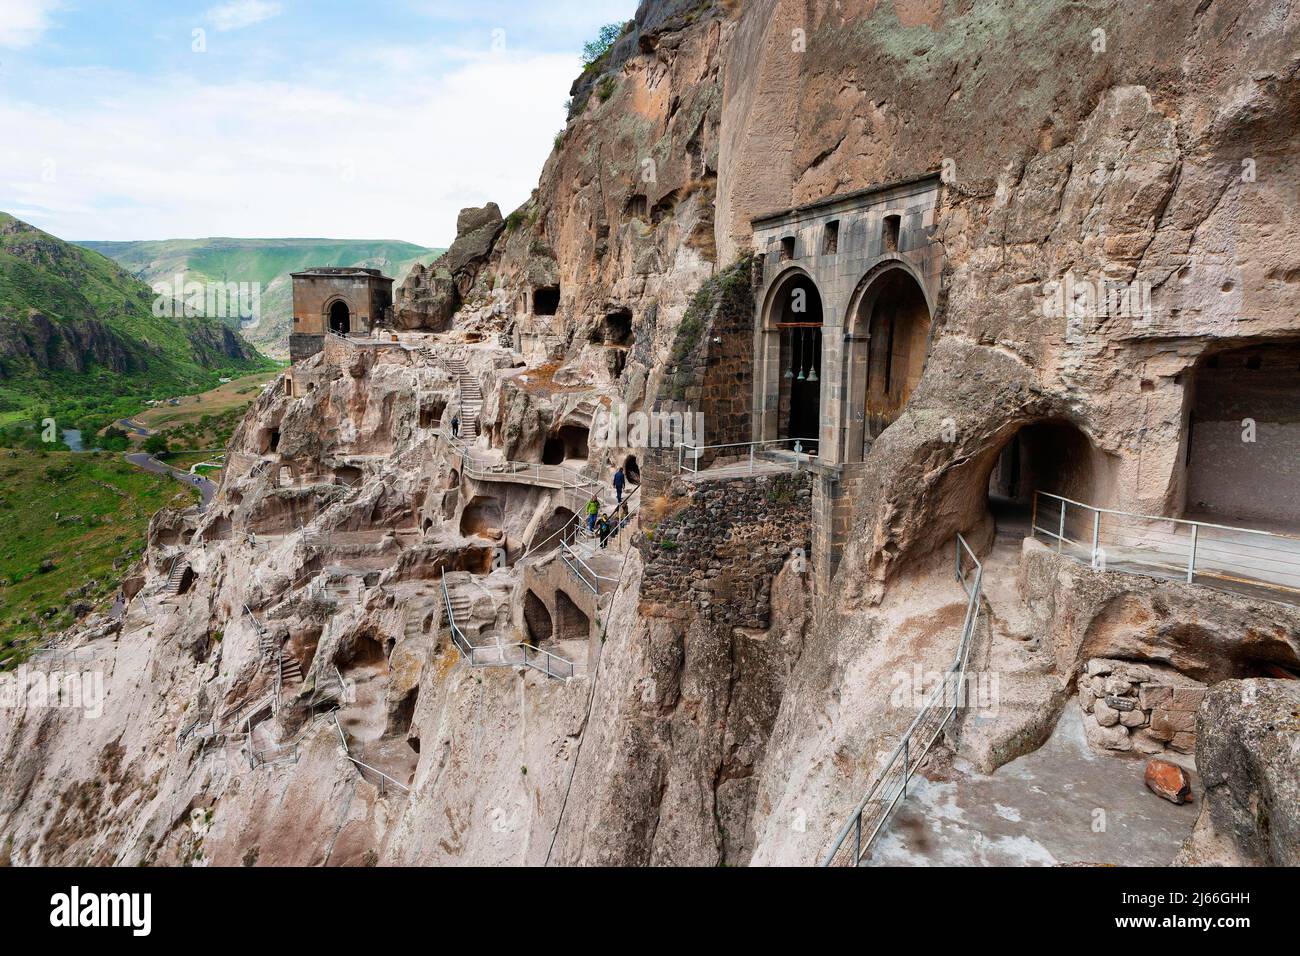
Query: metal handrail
915, 744
698, 451
347, 752
496, 655
1242, 563
577, 521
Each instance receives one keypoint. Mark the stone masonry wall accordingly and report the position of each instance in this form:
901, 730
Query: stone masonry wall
719, 554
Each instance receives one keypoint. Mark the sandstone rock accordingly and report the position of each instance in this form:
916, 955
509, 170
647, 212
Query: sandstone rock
1115, 737
1248, 760
1133, 718
1143, 742
1168, 780
1104, 714
1152, 695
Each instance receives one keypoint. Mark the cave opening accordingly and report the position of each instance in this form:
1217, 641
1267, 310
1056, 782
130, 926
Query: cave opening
546, 300
548, 535
1054, 457
631, 470
537, 620
572, 623
1243, 437
569, 443
483, 516
431, 412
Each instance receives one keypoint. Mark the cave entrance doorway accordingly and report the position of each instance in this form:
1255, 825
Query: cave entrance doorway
1243, 438
631, 470
548, 536
794, 319
1048, 456
888, 342
537, 620
570, 442
483, 516
546, 300
571, 623
340, 317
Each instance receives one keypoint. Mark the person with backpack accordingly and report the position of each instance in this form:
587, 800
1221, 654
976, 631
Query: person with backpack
593, 508
603, 527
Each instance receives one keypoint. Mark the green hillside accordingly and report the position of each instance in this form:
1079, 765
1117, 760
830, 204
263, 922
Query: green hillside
265, 261
79, 340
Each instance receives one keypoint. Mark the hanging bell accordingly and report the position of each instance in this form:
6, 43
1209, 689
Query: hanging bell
812, 359
801, 376
789, 373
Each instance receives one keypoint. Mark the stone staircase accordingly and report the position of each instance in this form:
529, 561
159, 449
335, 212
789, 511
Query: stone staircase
176, 575
471, 399
290, 670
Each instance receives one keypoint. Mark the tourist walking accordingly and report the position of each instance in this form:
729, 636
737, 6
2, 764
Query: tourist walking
455, 426
603, 526
593, 509
619, 482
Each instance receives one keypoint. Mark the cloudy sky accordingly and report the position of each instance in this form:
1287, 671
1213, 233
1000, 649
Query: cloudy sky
158, 119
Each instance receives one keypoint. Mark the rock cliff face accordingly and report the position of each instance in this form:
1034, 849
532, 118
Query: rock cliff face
730, 702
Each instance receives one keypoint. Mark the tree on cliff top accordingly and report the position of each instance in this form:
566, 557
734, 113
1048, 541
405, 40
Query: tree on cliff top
593, 50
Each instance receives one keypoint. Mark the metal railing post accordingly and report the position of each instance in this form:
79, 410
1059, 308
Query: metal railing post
907, 759
1060, 533
1033, 517
1191, 556
751, 459
1096, 533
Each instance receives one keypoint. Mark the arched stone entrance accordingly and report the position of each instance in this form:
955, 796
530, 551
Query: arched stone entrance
340, 318
792, 325
1052, 456
888, 339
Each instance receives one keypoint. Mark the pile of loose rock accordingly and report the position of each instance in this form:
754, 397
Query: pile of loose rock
1139, 707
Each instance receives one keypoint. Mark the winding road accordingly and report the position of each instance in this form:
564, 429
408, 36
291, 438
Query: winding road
151, 464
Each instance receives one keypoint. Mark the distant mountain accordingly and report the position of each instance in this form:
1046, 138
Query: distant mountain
264, 261
80, 338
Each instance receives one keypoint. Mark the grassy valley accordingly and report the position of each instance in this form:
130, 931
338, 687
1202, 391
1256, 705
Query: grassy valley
80, 343
70, 527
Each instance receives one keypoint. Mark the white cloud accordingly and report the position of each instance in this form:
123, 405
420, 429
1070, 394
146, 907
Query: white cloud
397, 157
22, 22
242, 13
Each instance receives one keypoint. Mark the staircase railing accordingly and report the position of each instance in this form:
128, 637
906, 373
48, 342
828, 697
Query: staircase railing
384, 779
890, 783
518, 654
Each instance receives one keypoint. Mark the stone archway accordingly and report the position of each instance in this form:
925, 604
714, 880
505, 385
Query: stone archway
1052, 456
888, 341
340, 317
792, 359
